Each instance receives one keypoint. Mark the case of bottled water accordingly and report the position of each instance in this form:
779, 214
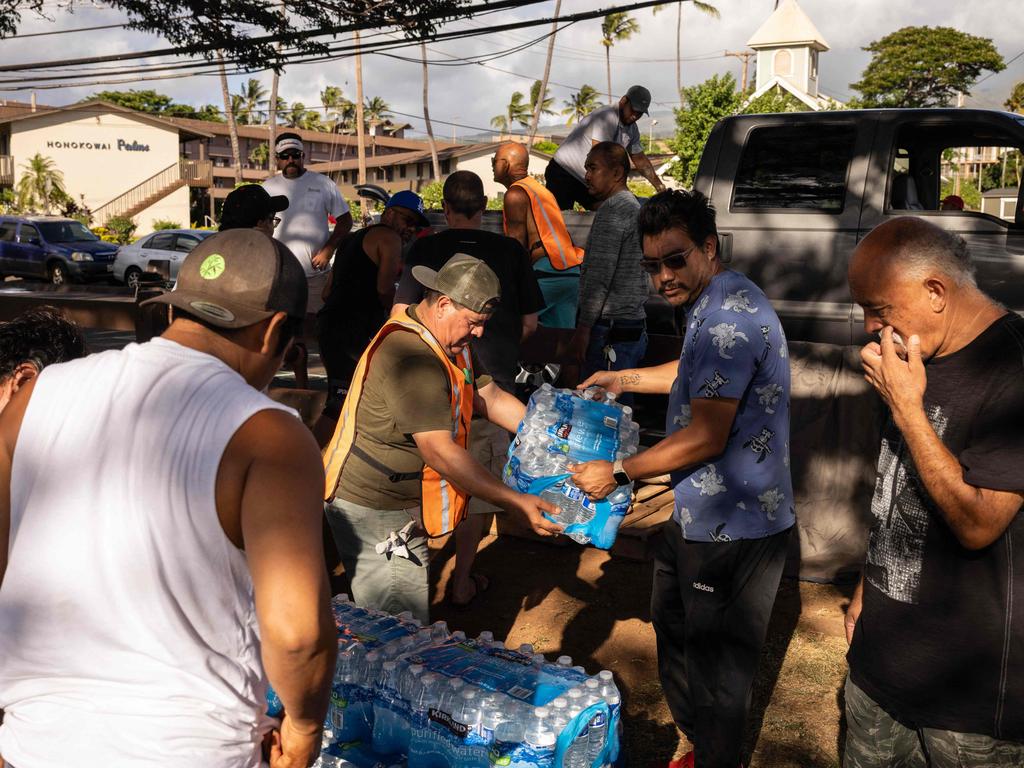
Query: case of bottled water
424, 697
562, 427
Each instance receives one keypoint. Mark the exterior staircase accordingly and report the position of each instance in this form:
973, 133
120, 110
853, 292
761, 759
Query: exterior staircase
194, 173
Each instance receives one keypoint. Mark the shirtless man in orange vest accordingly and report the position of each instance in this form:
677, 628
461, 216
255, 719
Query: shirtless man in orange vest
532, 217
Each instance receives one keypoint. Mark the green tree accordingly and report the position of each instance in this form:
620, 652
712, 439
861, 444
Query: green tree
547, 147
615, 27
924, 67
1005, 173
1015, 103
339, 112
210, 113
775, 100
703, 105
259, 154
535, 100
517, 112
707, 8
141, 101
376, 111
41, 185
581, 103
252, 95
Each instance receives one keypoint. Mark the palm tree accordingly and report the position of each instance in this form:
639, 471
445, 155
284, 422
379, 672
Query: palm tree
581, 103
707, 8
298, 116
547, 69
252, 96
435, 164
229, 113
376, 111
616, 27
41, 185
538, 105
517, 111
238, 107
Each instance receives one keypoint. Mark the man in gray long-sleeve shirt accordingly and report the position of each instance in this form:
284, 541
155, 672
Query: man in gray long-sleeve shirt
610, 323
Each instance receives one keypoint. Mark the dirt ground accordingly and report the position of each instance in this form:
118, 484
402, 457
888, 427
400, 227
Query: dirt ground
579, 601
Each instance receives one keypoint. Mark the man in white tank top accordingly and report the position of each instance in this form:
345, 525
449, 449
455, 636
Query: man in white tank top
151, 589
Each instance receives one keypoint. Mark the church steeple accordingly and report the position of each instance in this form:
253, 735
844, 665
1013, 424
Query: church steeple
787, 46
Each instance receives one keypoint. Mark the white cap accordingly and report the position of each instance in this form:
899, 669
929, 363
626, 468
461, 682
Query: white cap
288, 143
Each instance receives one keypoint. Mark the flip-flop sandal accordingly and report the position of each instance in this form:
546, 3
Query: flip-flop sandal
480, 583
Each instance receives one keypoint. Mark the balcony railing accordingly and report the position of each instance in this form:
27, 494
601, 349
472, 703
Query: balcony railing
7, 170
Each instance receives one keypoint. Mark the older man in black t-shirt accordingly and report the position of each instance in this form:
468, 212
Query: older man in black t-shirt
498, 349
937, 623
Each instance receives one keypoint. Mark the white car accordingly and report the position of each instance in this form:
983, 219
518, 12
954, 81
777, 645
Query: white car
172, 245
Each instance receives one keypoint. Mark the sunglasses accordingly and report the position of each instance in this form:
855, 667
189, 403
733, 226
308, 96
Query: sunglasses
291, 154
672, 261
276, 221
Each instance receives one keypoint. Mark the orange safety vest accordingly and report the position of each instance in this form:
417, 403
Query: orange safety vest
443, 505
550, 225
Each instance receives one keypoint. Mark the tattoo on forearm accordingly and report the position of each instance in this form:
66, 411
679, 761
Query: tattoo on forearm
629, 378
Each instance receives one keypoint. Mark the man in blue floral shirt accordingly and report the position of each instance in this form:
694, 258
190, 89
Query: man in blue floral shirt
719, 561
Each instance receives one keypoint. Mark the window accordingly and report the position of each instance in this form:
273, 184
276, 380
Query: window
782, 64
402, 170
7, 229
786, 167
186, 243
162, 241
29, 234
446, 167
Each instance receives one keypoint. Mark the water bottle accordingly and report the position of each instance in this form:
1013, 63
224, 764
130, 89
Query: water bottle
439, 632
597, 732
509, 734
564, 661
539, 739
576, 755
385, 727
485, 638
526, 649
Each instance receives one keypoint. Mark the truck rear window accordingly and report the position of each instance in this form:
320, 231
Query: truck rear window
793, 168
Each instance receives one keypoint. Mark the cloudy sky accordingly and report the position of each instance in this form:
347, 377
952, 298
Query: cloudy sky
472, 95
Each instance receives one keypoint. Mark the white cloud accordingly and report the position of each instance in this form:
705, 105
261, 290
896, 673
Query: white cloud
473, 94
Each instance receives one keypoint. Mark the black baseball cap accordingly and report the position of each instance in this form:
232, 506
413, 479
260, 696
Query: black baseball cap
237, 278
249, 204
639, 98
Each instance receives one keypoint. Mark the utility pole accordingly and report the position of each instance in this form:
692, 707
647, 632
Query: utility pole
745, 57
360, 132
547, 71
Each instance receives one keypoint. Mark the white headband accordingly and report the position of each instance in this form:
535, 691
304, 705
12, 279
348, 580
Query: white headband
289, 143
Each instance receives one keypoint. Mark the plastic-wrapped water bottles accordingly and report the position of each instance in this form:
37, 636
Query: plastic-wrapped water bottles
562, 428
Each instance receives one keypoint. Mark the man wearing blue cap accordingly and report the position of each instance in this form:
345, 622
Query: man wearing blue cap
304, 226
565, 175
361, 291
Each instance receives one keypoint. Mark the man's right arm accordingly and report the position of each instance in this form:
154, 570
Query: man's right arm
854, 609
517, 221
655, 380
454, 463
281, 510
384, 246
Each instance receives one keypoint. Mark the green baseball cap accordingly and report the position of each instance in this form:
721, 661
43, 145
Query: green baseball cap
463, 279
237, 278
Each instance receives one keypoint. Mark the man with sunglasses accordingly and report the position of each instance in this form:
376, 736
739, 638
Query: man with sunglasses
718, 562
304, 228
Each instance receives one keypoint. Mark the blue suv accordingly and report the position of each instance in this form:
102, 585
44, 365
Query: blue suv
55, 249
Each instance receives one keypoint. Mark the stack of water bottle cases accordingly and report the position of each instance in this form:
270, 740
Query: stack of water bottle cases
424, 697
561, 428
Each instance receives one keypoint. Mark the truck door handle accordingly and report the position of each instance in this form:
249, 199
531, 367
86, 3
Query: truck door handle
725, 247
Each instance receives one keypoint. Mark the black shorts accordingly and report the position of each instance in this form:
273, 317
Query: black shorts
567, 189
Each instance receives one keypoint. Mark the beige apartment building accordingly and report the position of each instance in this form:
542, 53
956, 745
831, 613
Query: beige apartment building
117, 161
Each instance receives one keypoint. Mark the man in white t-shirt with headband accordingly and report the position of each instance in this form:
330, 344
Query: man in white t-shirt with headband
304, 227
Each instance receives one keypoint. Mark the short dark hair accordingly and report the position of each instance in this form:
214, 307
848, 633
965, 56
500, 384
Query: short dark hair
612, 154
464, 193
690, 211
291, 328
41, 336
